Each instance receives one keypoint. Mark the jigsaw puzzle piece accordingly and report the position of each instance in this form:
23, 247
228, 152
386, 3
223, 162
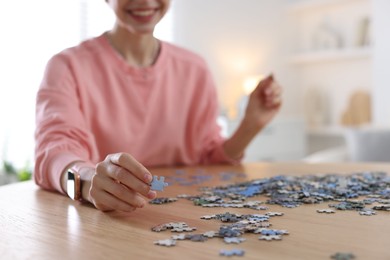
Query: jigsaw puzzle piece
158, 184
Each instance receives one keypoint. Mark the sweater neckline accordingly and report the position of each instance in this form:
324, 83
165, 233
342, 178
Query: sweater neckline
143, 73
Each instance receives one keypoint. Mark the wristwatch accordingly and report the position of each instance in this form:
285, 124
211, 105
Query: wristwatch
73, 183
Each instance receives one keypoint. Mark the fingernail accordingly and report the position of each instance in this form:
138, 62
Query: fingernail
147, 177
152, 194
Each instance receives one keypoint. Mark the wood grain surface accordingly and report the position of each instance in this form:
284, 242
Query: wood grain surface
37, 224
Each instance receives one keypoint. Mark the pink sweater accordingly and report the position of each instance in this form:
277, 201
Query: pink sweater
91, 103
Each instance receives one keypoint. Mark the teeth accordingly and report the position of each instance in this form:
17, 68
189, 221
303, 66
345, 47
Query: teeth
143, 13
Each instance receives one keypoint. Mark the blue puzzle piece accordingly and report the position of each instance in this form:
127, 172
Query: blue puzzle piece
250, 191
158, 184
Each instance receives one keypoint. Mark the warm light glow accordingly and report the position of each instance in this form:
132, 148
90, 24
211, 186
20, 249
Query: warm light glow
251, 82
239, 65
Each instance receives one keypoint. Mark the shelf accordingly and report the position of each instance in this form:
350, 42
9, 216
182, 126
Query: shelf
331, 55
310, 5
339, 130
326, 131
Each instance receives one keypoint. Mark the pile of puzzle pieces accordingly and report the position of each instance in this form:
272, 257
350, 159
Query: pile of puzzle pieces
286, 191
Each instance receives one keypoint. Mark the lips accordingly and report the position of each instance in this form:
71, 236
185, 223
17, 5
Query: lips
142, 15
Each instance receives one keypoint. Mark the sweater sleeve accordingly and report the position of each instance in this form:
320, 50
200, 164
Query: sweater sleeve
208, 109
61, 135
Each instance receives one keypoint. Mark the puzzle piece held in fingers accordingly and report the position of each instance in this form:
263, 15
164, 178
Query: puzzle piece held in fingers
158, 184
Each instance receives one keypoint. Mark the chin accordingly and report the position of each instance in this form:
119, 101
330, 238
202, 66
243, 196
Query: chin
139, 30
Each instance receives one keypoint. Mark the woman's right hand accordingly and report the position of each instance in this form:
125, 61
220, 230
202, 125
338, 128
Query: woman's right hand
120, 183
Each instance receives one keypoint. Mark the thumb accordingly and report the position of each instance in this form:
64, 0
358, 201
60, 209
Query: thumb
264, 83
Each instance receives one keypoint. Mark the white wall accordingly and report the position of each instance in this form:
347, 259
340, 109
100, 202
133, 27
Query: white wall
368, 73
337, 77
381, 62
240, 38
237, 39
31, 32
257, 36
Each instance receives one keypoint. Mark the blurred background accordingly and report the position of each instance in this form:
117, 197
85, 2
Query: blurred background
330, 56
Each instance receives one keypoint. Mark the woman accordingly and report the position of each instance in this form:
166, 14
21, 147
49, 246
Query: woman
125, 100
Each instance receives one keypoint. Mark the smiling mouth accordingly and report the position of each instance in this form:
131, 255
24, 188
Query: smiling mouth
142, 14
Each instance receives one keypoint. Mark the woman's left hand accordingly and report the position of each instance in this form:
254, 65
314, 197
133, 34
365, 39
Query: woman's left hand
264, 102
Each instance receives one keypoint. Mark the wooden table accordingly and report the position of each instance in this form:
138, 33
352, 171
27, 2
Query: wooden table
37, 224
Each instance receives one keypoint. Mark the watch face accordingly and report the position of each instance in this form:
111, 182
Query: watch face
73, 185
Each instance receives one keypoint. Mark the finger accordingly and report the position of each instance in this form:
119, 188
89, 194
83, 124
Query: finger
121, 175
107, 202
274, 102
272, 89
102, 184
129, 163
271, 99
264, 83
108, 194
125, 194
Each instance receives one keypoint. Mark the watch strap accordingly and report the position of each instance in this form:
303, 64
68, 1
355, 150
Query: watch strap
73, 173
